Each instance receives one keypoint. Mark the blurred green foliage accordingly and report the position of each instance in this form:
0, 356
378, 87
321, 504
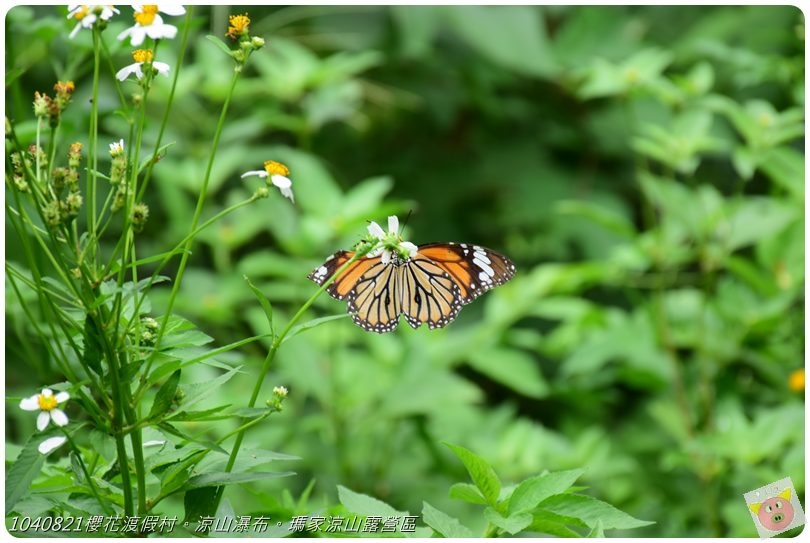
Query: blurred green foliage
643, 166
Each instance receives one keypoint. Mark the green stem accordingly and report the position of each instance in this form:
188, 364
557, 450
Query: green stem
277, 341
148, 176
196, 217
93, 145
118, 415
78, 455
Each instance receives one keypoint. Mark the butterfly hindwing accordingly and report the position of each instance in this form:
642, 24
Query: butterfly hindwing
375, 300
429, 294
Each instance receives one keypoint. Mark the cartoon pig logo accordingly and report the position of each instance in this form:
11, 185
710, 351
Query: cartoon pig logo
775, 513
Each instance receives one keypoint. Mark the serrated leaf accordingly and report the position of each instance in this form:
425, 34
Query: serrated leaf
92, 354
534, 490
226, 478
199, 502
165, 395
467, 492
591, 510
480, 472
512, 524
443, 523
23, 471
365, 505
598, 530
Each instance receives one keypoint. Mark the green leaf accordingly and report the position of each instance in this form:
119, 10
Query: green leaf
265, 303
555, 524
365, 505
467, 492
23, 471
91, 357
598, 530
512, 524
480, 472
311, 324
608, 218
511, 36
443, 523
199, 502
165, 396
161, 152
591, 511
536, 489
219, 43
226, 478
511, 367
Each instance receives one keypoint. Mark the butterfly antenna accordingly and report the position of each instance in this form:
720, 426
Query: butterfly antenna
405, 222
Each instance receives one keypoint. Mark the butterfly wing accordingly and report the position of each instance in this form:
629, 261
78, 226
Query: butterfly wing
429, 294
345, 282
375, 301
473, 268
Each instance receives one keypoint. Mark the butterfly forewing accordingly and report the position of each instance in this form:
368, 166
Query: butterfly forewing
345, 282
473, 268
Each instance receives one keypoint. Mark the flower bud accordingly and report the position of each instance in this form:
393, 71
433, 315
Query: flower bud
52, 213
257, 42
140, 214
73, 204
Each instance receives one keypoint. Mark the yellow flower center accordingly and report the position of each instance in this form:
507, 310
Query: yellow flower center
147, 16
142, 55
238, 25
796, 380
81, 13
64, 88
276, 168
46, 403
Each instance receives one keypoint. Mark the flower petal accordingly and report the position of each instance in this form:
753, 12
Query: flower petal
62, 397
42, 420
393, 224
125, 33
75, 31
51, 443
30, 404
126, 71
288, 193
386, 257
58, 417
280, 181
260, 173
158, 31
410, 247
171, 9
47, 392
375, 230
161, 67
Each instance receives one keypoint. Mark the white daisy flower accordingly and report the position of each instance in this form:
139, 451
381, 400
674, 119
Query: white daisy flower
88, 15
277, 172
117, 148
51, 443
48, 404
404, 248
141, 57
149, 23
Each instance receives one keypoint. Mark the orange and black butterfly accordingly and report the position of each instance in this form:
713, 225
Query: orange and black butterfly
430, 286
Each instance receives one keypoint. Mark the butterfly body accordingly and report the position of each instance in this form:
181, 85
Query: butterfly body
429, 287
